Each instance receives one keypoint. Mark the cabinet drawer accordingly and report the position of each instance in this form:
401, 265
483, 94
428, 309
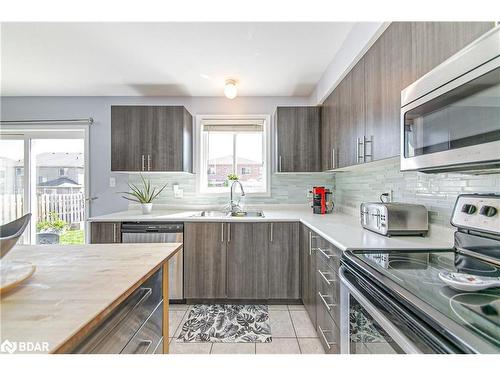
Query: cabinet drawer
148, 337
115, 332
328, 332
329, 253
328, 288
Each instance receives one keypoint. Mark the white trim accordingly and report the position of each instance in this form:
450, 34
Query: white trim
197, 132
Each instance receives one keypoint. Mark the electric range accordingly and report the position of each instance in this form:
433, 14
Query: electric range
407, 306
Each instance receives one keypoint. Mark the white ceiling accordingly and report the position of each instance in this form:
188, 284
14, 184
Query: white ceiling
166, 59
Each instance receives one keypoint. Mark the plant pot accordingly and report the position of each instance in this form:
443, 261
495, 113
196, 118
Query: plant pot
146, 208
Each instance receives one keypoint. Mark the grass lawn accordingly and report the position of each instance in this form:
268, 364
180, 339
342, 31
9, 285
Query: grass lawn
72, 237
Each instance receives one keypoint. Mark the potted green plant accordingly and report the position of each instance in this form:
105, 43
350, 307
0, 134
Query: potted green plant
143, 195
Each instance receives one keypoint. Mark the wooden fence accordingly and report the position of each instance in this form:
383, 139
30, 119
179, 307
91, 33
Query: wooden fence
69, 207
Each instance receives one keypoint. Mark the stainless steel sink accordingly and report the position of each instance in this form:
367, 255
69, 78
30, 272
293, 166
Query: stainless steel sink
247, 214
229, 214
211, 214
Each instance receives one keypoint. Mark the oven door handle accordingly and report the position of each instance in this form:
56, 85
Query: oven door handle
385, 323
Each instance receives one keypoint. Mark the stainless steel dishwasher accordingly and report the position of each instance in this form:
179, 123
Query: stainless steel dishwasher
152, 232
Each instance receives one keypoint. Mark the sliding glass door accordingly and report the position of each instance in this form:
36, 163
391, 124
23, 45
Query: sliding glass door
44, 172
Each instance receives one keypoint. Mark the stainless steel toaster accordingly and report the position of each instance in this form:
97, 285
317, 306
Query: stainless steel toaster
395, 219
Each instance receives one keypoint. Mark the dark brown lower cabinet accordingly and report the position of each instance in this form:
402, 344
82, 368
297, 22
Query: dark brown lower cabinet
308, 272
241, 261
204, 260
105, 232
283, 260
247, 266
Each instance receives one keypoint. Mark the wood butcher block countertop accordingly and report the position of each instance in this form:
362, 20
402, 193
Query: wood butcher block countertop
73, 289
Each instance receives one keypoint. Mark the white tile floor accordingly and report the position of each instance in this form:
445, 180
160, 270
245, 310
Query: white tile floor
291, 330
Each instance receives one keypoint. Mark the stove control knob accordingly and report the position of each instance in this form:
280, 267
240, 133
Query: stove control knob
469, 209
488, 211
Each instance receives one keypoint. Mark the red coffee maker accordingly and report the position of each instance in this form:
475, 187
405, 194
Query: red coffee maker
322, 200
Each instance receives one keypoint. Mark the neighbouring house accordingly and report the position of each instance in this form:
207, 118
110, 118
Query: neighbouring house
246, 169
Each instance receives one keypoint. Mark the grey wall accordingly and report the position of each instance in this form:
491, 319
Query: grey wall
437, 192
24, 108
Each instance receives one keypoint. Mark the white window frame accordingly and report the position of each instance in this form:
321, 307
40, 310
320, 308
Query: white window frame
30, 132
199, 150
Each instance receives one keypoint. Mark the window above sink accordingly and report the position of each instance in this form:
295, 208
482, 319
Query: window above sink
237, 145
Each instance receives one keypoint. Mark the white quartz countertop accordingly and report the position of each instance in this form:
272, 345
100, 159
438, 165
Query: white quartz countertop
342, 230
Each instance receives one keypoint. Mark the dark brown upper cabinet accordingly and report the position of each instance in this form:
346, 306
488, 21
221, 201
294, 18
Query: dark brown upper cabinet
360, 119
387, 72
151, 139
298, 139
433, 42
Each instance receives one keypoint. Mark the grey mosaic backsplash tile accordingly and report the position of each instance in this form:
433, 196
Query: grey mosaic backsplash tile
285, 188
437, 192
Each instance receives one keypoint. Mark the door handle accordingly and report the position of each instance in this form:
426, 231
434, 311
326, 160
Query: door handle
143, 162
149, 162
271, 232
333, 158
279, 163
221, 232
114, 232
228, 232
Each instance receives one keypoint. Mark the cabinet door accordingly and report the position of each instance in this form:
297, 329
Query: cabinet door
434, 42
126, 144
298, 139
247, 267
105, 233
387, 72
308, 273
168, 137
350, 126
204, 260
284, 261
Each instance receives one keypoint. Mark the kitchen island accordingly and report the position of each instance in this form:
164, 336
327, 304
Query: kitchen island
75, 289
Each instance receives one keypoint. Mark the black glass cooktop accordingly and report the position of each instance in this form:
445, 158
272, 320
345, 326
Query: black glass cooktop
417, 272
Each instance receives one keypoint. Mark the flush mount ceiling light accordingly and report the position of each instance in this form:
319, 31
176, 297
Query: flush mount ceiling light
230, 89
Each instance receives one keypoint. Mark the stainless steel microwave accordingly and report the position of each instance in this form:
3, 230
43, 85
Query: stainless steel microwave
450, 118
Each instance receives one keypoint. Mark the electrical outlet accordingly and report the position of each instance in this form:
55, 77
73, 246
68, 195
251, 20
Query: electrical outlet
112, 182
178, 192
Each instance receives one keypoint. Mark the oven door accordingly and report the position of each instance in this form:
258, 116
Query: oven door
374, 322
364, 329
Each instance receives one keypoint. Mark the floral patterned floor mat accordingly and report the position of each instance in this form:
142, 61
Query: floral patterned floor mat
227, 323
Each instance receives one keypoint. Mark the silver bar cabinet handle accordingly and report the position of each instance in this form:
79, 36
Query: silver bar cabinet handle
370, 141
114, 232
327, 305
328, 343
271, 232
360, 142
279, 163
228, 232
310, 242
149, 162
328, 281
221, 232
333, 158
328, 256
143, 162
